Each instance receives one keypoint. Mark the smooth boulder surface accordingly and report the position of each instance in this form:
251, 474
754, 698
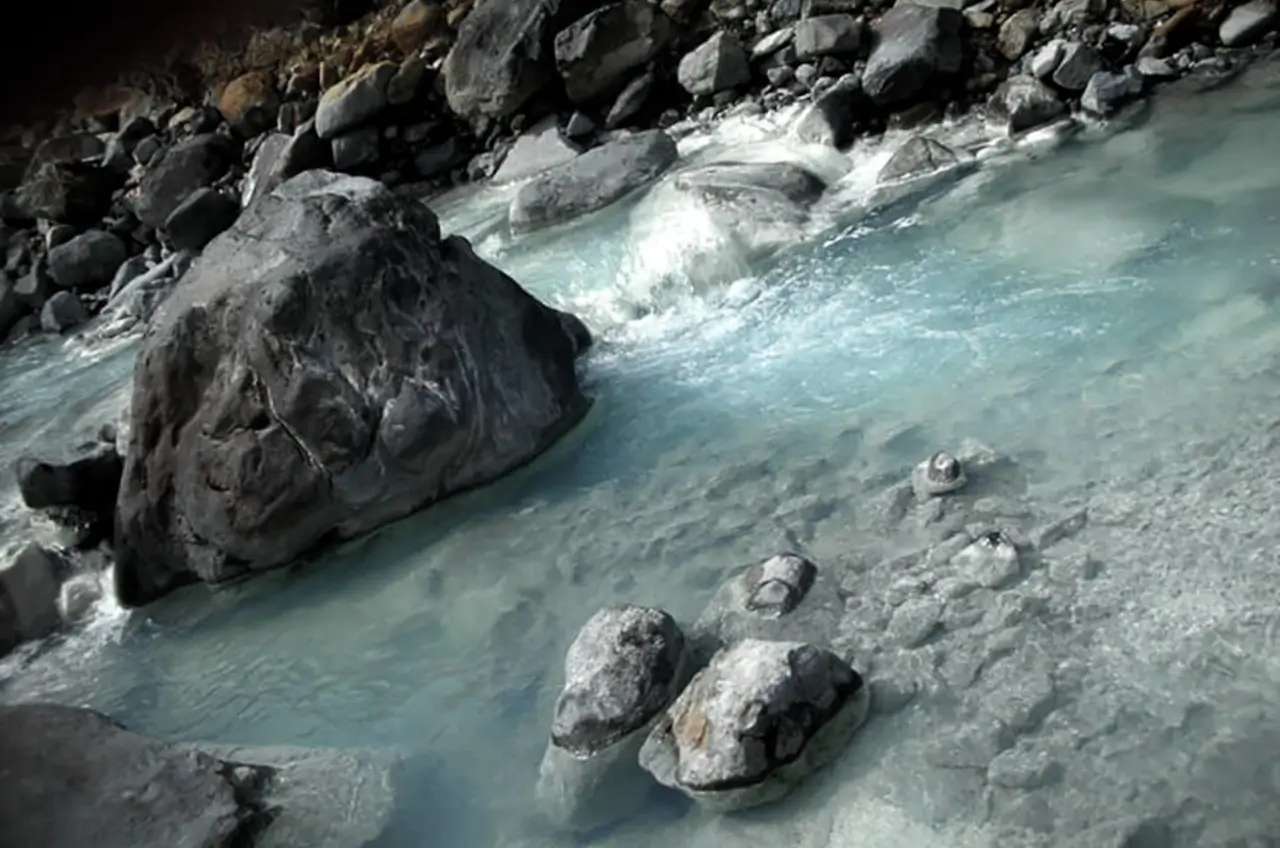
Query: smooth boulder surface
784, 598
918, 156
718, 64
72, 778
62, 312
329, 364
88, 261
539, 149
199, 218
596, 54
355, 100
29, 588
914, 46
80, 487
625, 666
831, 118
504, 54
762, 716
593, 180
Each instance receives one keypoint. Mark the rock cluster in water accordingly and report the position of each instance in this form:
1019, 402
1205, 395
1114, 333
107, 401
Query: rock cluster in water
577, 95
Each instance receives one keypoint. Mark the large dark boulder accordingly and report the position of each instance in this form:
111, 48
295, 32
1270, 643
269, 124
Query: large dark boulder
77, 487
188, 165
505, 53
329, 364
915, 47
597, 54
73, 778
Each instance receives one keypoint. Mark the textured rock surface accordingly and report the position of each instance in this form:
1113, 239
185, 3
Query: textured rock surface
918, 156
759, 718
357, 99
28, 597
718, 64
593, 180
329, 364
784, 598
72, 778
626, 665
915, 46
87, 261
188, 165
81, 485
830, 118
198, 219
596, 54
1023, 102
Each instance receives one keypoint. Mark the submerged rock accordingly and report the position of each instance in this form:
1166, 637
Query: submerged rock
785, 598
940, 474
329, 364
915, 46
626, 665
990, 561
761, 717
540, 149
918, 156
74, 778
593, 180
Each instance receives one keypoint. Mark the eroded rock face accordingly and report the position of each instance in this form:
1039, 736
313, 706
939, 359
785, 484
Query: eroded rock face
626, 665
784, 598
759, 718
329, 364
74, 778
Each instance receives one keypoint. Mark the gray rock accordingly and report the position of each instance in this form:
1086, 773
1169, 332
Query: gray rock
355, 366
356, 149
625, 667
81, 482
914, 621
73, 778
28, 601
1017, 33
188, 165
1157, 69
77, 597
940, 474
1078, 65
990, 561
34, 287
62, 312
785, 598
1107, 92
915, 45
1071, 13
831, 118
502, 54
1047, 59
133, 267
1247, 23
918, 156
772, 43
1020, 768
11, 306
58, 234
200, 218
758, 719
88, 261
593, 180
630, 100
281, 156
718, 64
1022, 103
598, 53
827, 35
146, 149
581, 126
540, 149
356, 100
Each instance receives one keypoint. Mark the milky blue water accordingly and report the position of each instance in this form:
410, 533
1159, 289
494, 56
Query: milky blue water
1103, 313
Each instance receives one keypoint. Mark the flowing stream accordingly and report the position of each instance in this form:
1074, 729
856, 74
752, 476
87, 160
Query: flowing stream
1104, 314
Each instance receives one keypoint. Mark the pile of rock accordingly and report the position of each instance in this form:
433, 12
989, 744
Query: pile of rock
771, 701
438, 93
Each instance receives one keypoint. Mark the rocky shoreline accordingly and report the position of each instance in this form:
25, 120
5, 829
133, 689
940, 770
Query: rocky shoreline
107, 206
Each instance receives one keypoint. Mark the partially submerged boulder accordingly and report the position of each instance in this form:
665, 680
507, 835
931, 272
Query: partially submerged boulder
759, 718
78, 487
29, 587
624, 668
785, 598
329, 364
593, 180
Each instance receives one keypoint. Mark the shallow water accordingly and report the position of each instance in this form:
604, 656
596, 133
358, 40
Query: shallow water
1106, 316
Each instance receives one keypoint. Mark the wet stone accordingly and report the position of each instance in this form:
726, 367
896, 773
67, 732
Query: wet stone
939, 475
914, 621
991, 560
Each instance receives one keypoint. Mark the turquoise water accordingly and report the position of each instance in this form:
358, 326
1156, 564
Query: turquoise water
1106, 315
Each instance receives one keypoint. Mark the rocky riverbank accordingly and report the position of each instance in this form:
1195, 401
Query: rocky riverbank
105, 206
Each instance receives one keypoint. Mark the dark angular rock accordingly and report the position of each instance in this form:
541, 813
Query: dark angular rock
1078, 64
593, 180
831, 118
355, 101
88, 261
1107, 92
62, 312
188, 165
11, 306
356, 149
630, 101
79, 489
329, 364
827, 35
596, 54
29, 587
73, 778
914, 46
918, 156
200, 218
718, 64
